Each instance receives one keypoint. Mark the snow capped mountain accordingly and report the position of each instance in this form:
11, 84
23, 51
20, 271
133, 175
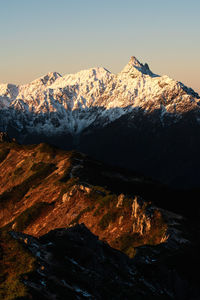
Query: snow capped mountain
133, 119
55, 104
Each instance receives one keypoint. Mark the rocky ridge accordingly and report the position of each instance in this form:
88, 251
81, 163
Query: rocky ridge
46, 193
71, 194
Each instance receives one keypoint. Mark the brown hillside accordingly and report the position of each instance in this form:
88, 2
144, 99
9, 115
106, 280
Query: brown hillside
43, 188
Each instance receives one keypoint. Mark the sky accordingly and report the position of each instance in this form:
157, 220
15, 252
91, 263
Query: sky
41, 36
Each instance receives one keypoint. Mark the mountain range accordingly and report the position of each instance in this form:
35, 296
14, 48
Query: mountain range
99, 187
134, 119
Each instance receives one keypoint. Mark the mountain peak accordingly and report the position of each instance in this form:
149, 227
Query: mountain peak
135, 68
134, 61
47, 79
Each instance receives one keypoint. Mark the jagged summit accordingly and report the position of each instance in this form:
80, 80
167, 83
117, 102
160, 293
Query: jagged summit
47, 79
134, 61
134, 68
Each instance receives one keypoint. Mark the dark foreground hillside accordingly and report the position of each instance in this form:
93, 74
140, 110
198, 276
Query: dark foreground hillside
74, 264
148, 235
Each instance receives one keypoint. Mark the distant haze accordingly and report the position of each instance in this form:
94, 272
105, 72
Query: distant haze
66, 36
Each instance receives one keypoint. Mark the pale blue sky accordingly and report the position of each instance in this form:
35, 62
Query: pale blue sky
38, 36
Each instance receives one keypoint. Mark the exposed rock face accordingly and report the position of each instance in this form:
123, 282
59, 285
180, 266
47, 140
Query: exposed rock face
135, 208
74, 190
142, 223
120, 200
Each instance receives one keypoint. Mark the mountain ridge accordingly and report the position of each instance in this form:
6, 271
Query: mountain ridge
135, 119
46, 195
133, 88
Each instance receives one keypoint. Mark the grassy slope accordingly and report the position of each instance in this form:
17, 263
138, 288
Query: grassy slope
15, 263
